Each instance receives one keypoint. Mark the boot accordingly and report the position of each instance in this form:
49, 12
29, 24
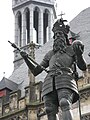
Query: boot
67, 115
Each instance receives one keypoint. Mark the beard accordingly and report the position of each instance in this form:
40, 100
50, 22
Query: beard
59, 45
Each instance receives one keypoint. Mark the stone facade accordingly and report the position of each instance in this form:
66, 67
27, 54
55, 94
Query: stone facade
22, 108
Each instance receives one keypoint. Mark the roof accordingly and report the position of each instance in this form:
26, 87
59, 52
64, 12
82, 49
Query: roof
6, 83
20, 77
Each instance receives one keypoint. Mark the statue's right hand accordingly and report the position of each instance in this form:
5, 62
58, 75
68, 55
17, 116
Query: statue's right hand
23, 54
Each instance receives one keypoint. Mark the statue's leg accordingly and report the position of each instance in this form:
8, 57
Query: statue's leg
65, 107
51, 106
65, 102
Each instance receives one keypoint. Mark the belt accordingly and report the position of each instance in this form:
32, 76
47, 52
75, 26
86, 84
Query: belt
60, 71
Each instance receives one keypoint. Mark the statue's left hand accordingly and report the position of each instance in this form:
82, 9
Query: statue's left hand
78, 47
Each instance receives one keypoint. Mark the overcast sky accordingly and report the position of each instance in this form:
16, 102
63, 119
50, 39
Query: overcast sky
71, 8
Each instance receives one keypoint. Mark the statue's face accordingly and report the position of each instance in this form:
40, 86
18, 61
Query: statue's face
58, 34
59, 41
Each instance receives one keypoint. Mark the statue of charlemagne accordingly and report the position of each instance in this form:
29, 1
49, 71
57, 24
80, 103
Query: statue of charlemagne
59, 87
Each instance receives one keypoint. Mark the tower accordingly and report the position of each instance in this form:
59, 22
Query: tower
33, 22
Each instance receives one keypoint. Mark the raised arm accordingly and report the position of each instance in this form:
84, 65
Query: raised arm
78, 48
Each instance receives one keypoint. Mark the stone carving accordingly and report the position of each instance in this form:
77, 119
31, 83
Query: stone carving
13, 102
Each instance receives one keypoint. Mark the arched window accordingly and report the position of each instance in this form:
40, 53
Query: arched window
45, 26
36, 22
27, 17
19, 18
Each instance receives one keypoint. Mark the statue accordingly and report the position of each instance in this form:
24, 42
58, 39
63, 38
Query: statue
59, 87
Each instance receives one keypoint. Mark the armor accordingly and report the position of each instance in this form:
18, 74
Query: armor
60, 68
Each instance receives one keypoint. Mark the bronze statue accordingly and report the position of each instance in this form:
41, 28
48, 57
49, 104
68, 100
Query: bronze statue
59, 87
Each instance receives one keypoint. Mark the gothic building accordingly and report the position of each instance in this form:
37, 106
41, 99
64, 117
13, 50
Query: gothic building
20, 94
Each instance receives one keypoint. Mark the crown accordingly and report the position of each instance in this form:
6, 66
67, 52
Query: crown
60, 26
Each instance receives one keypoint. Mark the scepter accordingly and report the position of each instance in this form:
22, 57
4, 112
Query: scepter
28, 56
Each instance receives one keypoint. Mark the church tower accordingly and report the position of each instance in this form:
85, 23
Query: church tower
33, 22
